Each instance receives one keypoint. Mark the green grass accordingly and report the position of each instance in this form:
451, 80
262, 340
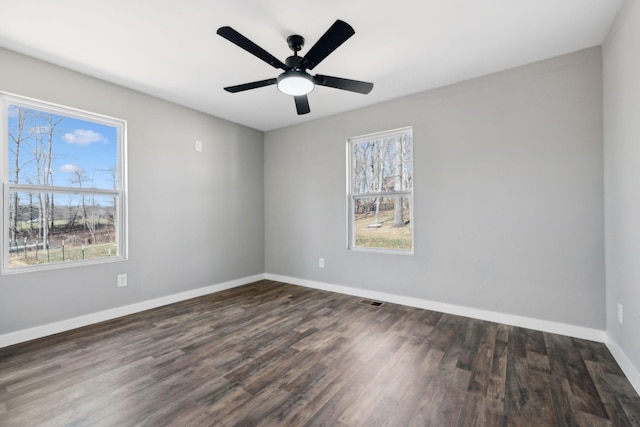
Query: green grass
53, 255
385, 237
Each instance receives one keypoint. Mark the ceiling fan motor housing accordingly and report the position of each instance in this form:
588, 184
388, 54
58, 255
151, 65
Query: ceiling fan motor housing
293, 62
295, 42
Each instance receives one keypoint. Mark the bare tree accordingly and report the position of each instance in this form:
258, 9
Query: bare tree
382, 166
379, 162
88, 220
51, 128
43, 153
398, 217
73, 214
18, 135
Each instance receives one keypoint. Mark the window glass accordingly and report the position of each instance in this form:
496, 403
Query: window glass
63, 186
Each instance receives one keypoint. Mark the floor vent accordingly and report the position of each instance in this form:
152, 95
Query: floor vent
371, 303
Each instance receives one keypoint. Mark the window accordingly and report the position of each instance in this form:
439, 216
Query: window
381, 191
64, 198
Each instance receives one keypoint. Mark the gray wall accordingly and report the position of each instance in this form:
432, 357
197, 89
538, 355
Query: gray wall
508, 203
622, 178
195, 219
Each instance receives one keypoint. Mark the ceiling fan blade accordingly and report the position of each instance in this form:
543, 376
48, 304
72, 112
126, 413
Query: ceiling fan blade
337, 34
302, 104
238, 39
252, 85
344, 84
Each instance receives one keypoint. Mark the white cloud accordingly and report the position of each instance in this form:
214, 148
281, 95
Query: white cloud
83, 137
68, 168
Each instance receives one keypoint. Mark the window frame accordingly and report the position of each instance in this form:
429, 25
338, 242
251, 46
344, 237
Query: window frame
119, 193
352, 196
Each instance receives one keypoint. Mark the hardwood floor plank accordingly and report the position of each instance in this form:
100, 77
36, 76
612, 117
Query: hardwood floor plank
539, 396
585, 419
562, 402
472, 332
518, 342
275, 354
445, 332
517, 386
566, 361
328, 399
473, 412
497, 380
594, 352
534, 341
614, 398
389, 382
484, 353
538, 362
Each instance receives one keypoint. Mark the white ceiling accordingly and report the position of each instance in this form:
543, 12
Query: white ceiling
170, 48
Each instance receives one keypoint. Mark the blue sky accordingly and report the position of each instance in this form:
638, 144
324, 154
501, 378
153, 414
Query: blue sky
79, 147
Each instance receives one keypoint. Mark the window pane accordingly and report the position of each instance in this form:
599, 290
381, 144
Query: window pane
54, 149
56, 226
382, 164
382, 222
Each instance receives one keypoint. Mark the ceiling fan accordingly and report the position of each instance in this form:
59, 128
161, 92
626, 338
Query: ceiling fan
295, 80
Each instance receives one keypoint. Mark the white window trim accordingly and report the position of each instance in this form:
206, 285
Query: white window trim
351, 196
120, 193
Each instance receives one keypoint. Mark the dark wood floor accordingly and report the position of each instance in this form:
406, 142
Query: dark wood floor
275, 354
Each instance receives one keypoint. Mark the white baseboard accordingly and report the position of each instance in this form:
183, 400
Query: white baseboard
77, 322
491, 316
627, 367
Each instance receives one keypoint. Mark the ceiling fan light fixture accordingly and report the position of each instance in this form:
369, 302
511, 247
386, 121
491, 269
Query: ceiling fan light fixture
295, 83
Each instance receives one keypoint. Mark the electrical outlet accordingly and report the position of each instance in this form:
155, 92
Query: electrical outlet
321, 262
122, 280
198, 145
620, 313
